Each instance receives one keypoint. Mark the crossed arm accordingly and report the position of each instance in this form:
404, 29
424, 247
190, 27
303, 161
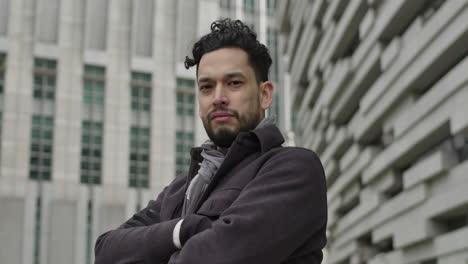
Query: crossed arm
144, 238
280, 210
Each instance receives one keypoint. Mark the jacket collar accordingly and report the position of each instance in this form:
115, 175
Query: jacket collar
264, 138
268, 137
261, 139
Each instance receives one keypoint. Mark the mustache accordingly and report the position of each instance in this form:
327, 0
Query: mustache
223, 109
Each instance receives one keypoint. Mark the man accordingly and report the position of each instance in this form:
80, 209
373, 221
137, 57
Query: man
246, 199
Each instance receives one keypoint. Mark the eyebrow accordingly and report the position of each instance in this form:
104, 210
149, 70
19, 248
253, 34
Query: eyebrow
229, 75
235, 74
204, 79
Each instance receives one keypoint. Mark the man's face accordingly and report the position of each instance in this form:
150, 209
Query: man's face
230, 98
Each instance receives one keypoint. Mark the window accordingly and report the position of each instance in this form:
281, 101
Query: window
93, 86
184, 142
92, 126
89, 231
40, 162
140, 87
185, 110
249, 6
185, 97
141, 91
91, 152
2, 72
37, 231
45, 71
270, 7
139, 157
185, 84
225, 4
460, 145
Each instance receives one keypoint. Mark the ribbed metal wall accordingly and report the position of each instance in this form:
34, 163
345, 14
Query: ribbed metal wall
379, 89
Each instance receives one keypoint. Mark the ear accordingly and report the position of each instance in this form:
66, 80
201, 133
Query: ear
266, 94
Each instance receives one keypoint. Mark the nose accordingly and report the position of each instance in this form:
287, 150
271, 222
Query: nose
220, 96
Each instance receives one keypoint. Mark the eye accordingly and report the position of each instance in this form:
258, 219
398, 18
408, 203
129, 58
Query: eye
204, 87
234, 83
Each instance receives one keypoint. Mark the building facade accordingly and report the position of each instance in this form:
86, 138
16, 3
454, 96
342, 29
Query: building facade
97, 114
378, 89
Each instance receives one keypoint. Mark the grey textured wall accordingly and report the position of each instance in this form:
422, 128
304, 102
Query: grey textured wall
380, 90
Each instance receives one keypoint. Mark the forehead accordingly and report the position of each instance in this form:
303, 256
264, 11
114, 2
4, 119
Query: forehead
223, 61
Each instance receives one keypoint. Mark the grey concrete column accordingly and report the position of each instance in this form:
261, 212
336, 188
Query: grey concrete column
18, 93
163, 100
117, 109
68, 96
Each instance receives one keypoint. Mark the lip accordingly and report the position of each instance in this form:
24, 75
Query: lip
221, 116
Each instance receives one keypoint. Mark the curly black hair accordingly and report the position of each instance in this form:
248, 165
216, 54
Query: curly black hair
233, 33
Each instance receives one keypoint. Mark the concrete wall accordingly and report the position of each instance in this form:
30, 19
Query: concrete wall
11, 229
379, 91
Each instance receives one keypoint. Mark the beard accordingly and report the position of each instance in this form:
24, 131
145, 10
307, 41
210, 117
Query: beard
224, 136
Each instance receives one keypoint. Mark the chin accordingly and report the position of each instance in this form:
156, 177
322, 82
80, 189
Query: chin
230, 124
226, 128
223, 137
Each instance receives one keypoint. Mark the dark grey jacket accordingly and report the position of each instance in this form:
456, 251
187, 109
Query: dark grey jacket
266, 204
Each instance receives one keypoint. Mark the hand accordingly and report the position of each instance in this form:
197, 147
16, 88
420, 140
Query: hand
192, 225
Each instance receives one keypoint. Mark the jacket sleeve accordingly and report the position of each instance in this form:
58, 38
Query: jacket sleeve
141, 239
280, 210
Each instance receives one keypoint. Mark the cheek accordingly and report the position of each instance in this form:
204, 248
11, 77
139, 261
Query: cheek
202, 109
249, 100
253, 102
